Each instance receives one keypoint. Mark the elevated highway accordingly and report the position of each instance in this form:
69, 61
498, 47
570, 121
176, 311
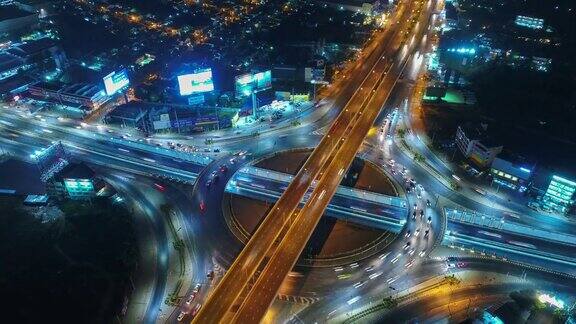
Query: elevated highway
228, 296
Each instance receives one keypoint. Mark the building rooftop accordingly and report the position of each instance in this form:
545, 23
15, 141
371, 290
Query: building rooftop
31, 47
13, 12
475, 131
76, 171
131, 110
18, 177
77, 89
511, 168
8, 62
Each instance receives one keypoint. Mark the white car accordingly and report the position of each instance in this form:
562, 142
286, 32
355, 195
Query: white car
417, 232
181, 316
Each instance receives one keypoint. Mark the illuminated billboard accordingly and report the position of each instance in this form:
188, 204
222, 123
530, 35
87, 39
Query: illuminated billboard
244, 84
200, 81
116, 81
247, 83
263, 80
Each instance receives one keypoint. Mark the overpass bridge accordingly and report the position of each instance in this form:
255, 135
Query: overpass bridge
350, 204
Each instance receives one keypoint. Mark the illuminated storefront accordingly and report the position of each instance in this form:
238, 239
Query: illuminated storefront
558, 196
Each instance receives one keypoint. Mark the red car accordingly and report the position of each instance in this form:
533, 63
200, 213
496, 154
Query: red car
202, 206
159, 187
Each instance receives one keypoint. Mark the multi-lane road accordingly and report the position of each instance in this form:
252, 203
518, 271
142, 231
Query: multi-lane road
362, 99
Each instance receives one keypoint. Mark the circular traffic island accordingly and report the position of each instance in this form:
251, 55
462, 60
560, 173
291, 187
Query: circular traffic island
334, 242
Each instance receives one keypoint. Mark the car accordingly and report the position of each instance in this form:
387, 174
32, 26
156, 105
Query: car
407, 246
451, 265
197, 288
223, 168
422, 253
414, 215
181, 316
202, 205
461, 264
196, 310
214, 173
417, 232
159, 187
409, 264
232, 160
428, 202
426, 232
429, 219
415, 206
396, 258
216, 150
207, 150
210, 274
190, 298
408, 233
411, 252
208, 183
421, 213
418, 196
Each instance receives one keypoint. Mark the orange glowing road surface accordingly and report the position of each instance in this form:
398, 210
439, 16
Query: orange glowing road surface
264, 290
284, 232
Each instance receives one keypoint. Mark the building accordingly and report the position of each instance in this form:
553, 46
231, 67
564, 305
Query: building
14, 20
76, 181
476, 145
510, 173
163, 117
19, 61
559, 195
20, 178
529, 22
361, 6
43, 53
82, 96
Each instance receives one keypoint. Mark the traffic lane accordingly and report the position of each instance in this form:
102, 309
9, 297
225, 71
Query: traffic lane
393, 279
205, 208
132, 189
435, 186
291, 203
96, 140
526, 243
544, 279
290, 247
527, 256
411, 311
351, 204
